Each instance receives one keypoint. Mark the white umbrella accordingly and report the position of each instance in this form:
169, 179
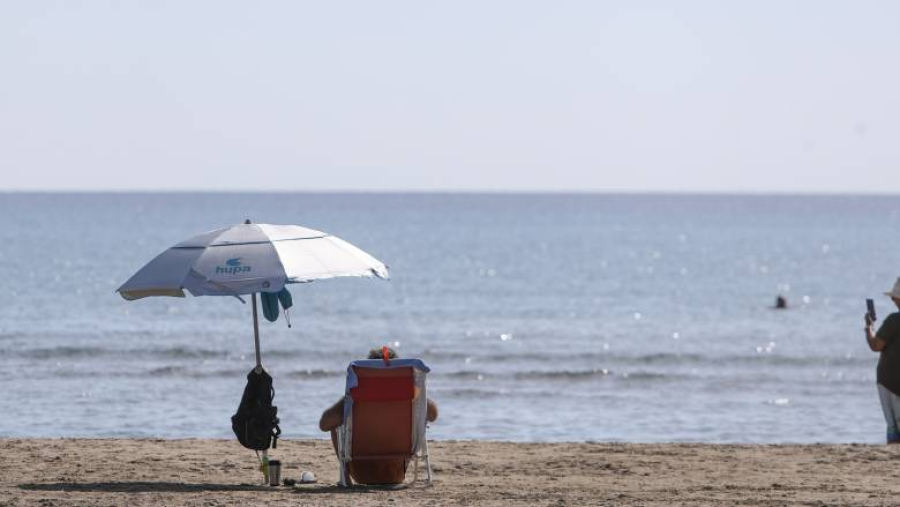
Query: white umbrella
246, 259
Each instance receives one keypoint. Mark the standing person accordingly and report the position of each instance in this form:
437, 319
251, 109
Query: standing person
887, 342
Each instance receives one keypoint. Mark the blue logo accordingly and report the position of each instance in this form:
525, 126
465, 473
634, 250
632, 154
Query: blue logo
232, 267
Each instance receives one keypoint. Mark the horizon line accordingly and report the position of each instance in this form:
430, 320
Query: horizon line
573, 192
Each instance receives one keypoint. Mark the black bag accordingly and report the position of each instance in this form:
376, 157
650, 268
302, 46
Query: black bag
256, 422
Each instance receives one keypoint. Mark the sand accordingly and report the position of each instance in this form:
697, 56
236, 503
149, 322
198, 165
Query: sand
138, 473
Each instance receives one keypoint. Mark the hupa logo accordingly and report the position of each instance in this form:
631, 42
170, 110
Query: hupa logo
232, 267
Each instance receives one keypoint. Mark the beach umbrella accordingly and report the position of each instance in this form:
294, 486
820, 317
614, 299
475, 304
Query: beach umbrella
247, 259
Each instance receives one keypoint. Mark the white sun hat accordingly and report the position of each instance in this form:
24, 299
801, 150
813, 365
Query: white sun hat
895, 292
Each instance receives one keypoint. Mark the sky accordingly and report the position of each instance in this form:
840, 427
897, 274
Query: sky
594, 96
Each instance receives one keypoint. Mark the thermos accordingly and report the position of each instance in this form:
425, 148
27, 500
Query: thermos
274, 472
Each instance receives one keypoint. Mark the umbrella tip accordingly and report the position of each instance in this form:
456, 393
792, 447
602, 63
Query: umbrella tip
247, 221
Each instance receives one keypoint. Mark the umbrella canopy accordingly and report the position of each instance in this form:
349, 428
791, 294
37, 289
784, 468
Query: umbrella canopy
246, 259
249, 258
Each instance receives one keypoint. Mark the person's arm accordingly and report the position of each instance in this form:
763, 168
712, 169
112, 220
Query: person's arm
876, 344
432, 412
333, 417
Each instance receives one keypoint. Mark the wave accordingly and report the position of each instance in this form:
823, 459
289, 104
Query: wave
466, 377
438, 358
741, 359
168, 371
658, 358
561, 375
61, 352
576, 375
68, 352
171, 352
190, 372
315, 374
472, 393
184, 361
462, 375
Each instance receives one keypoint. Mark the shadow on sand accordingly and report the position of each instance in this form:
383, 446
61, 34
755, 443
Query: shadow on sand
181, 487
142, 487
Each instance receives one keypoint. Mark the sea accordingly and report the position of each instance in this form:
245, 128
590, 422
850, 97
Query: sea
543, 317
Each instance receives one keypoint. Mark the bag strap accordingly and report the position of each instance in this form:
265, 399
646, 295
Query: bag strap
276, 432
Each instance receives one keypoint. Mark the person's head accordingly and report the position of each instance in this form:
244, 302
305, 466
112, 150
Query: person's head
781, 302
377, 353
895, 293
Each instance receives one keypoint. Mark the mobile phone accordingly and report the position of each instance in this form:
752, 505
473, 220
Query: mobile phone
870, 306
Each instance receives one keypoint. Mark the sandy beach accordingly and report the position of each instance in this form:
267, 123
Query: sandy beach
220, 473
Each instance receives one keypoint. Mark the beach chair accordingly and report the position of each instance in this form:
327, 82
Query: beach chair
384, 419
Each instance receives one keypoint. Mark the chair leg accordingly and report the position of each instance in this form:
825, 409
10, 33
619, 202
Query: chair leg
345, 475
340, 441
427, 464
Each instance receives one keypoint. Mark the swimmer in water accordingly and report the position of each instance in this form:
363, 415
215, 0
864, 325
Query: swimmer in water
781, 303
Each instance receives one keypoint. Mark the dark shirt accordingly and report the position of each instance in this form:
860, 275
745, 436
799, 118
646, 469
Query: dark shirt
889, 361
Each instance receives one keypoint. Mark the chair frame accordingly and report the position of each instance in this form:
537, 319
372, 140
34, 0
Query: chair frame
344, 450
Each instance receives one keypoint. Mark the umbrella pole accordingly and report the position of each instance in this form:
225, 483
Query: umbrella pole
256, 335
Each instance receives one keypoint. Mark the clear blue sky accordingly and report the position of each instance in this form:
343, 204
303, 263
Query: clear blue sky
753, 96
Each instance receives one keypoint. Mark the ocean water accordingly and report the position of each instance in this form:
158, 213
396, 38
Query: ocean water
640, 318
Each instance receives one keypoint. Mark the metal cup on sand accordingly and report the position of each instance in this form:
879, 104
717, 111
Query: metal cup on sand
274, 472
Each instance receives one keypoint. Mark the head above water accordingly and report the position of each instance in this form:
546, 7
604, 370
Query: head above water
378, 354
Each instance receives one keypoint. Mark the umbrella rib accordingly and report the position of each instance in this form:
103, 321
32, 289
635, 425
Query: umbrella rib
251, 242
355, 252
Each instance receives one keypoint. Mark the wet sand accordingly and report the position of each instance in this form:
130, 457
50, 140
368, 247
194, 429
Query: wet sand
221, 473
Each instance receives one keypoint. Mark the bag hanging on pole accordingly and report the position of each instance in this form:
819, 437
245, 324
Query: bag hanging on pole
256, 422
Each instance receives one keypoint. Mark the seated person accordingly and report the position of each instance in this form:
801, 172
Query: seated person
387, 471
